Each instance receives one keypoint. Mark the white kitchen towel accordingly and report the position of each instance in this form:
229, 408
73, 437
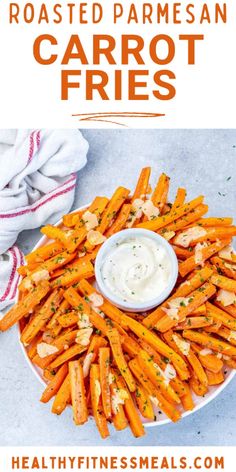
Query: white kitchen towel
37, 182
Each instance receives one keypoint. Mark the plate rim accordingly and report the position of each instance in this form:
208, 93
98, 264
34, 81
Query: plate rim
148, 424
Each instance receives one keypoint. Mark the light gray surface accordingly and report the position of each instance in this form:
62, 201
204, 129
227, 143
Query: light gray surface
201, 160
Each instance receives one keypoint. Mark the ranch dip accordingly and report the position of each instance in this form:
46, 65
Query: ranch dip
137, 269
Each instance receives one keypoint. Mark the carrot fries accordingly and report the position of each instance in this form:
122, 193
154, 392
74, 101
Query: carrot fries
123, 368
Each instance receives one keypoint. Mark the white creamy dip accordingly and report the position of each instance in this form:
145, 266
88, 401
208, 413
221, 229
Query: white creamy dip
137, 269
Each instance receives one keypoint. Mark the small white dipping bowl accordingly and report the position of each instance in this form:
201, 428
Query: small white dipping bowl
111, 243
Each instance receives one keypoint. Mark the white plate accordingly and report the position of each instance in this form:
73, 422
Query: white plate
161, 418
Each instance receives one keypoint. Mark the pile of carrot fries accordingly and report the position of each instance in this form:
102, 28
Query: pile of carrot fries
119, 367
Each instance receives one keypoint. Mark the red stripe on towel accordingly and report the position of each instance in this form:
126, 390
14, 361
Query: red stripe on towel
12, 275
41, 202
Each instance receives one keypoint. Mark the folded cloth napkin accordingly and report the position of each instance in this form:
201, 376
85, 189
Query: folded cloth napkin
37, 184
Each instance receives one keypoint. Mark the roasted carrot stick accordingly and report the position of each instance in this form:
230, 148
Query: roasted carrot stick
154, 341
180, 197
63, 397
194, 322
231, 309
199, 389
227, 334
84, 270
77, 302
187, 400
215, 378
190, 263
142, 184
220, 315
214, 328
70, 219
76, 219
210, 342
54, 232
212, 221
182, 253
152, 371
130, 409
179, 386
113, 207
97, 207
32, 349
159, 196
53, 386
41, 318
130, 346
176, 341
187, 219
223, 282
183, 290
68, 319
164, 364
120, 221
22, 308
213, 234
162, 221
197, 367
68, 354
78, 397
168, 408
43, 270
49, 374
96, 400
223, 267
118, 415
76, 238
63, 308
104, 366
79, 234
44, 252
62, 342
115, 343
85, 288
196, 299
208, 360
76, 263
144, 403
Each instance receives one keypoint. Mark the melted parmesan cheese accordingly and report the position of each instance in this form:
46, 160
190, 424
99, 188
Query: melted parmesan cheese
170, 372
137, 207
90, 220
83, 336
118, 398
174, 306
205, 352
168, 235
84, 321
150, 210
87, 363
154, 400
198, 255
97, 391
95, 237
96, 299
226, 252
183, 346
232, 336
225, 297
189, 235
141, 207
44, 350
40, 275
